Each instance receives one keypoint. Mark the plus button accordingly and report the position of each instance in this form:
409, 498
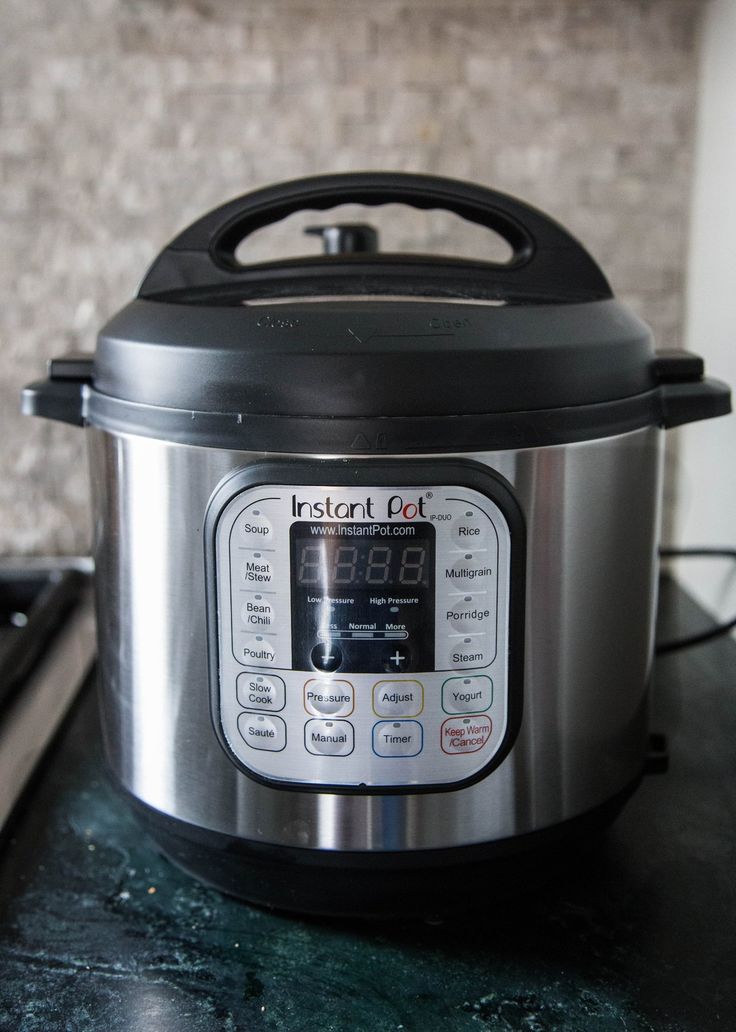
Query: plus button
396, 661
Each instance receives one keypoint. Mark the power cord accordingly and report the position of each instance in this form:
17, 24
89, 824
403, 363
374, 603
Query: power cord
713, 632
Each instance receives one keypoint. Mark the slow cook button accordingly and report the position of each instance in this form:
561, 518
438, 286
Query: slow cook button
466, 653
256, 651
397, 738
329, 737
256, 569
468, 612
259, 692
470, 530
467, 694
261, 732
254, 529
460, 735
257, 612
398, 698
329, 698
469, 571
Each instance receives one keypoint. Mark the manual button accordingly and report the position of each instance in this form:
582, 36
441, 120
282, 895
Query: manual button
329, 737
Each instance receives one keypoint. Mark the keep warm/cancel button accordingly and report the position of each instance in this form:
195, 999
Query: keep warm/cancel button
460, 735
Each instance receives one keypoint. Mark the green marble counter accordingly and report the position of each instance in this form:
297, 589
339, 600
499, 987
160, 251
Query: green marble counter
97, 931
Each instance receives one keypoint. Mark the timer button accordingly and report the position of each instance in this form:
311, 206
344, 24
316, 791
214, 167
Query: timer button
326, 656
398, 738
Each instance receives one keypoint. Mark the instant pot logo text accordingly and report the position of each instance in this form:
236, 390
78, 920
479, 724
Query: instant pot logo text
397, 507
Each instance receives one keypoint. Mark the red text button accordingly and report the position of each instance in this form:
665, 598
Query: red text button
460, 735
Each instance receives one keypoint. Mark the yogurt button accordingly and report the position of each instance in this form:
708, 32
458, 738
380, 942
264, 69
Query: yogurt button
257, 611
261, 732
260, 692
467, 694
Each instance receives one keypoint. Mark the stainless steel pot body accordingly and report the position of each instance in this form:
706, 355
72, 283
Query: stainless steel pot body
592, 517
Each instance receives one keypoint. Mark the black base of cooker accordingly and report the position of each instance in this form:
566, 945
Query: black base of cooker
420, 883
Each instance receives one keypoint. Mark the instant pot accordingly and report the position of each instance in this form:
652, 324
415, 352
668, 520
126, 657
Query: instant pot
376, 548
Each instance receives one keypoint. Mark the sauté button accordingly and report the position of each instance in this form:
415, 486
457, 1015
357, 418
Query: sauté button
397, 738
331, 698
398, 698
261, 692
256, 570
257, 611
326, 656
261, 732
460, 735
467, 694
254, 529
329, 737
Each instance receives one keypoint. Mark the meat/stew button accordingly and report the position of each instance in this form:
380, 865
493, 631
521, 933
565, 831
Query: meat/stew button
460, 735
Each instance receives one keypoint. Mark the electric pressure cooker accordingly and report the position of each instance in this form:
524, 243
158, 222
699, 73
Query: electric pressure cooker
376, 548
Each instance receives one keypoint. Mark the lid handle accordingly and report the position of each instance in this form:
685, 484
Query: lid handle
204, 253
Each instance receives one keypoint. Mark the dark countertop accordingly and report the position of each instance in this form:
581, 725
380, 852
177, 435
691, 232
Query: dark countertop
97, 931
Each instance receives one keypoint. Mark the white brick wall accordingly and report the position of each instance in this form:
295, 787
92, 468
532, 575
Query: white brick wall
120, 122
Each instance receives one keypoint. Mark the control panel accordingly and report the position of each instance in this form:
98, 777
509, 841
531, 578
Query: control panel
362, 633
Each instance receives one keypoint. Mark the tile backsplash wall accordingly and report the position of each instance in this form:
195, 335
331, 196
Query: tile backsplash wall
122, 120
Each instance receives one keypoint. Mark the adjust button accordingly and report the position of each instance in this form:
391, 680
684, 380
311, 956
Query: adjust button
261, 732
260, 692
398, 738
329, 737
398, 698
329, 698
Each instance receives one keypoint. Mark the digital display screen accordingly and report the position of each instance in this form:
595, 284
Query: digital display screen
362, 596
372, 562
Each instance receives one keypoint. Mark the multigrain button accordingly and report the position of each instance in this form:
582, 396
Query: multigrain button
398, 698
257, 612
397, 738
254, 529
262, 732
329, 737
328, 697
256, 569
469, 571
261, 692
467, 694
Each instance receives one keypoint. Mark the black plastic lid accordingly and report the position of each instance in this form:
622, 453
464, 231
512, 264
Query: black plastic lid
356, 350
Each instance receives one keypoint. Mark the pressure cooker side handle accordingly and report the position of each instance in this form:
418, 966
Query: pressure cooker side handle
204, 253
